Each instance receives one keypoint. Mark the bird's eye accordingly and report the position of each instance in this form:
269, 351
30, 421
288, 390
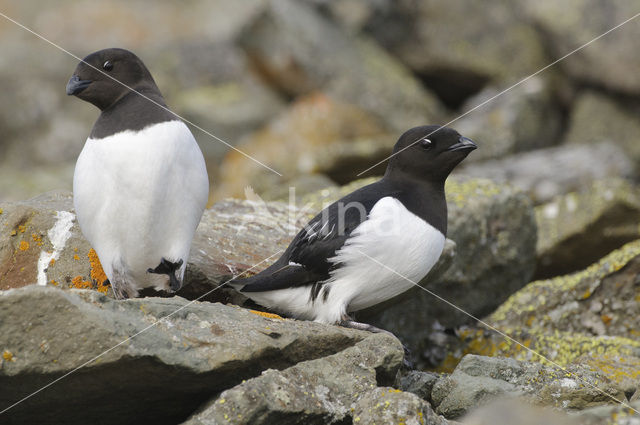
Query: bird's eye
107, 66
426, 143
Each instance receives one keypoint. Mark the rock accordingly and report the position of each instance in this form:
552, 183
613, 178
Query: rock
610, 415
154, 359
419, 383
456, 56
514, 411
596, 119
316, 135
477, 380
600, 300
312, 392
566, 29
495, 233
615, 358
298, 50
508, 124
391, 406
41, 243
579, 228
550, 172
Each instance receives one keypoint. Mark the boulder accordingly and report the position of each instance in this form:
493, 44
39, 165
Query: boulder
316, 135
299, 50
523, 121
391, 406
454, 55
600, 300
154, 359
577, 229
419, 383
607, 63
312, 392
550, 172
596, 119
477, 380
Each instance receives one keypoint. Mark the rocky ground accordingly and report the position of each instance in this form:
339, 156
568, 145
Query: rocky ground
544, 219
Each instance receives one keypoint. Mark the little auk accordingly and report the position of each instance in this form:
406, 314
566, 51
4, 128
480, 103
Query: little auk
370, 245
140, 184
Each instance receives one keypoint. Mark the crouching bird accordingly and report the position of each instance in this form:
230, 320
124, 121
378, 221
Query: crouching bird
140, 184
372, 244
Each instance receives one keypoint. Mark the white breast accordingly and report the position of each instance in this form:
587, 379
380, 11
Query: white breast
401, 243
139, 196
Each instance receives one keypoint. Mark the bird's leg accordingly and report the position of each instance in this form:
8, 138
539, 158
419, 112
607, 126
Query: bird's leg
347, 322
169, 268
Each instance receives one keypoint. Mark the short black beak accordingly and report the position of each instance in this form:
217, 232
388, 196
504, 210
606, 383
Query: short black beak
76, 85
464, 143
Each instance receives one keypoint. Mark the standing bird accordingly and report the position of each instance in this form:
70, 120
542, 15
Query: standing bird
140, 184
373, 243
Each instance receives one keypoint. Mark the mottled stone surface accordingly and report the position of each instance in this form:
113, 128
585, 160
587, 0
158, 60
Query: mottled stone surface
596, 119
391, 406
546, 173
312, 392
477, 380
153, 358
577, 229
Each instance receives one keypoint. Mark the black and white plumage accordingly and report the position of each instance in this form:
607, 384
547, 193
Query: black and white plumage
140, 185
399, 221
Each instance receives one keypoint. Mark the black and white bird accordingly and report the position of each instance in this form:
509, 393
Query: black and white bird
140, 184
372, 244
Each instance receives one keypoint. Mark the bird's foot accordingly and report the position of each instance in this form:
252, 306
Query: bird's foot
348, 323
169, 268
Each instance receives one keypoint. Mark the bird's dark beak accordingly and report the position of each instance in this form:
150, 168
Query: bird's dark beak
76, 85
464, 143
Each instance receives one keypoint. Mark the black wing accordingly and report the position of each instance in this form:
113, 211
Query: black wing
306, 260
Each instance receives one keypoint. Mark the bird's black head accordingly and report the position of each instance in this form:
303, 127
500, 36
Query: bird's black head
429, 152
97, 79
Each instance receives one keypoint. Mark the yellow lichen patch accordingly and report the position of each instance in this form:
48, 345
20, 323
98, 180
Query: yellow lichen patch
97, 272
53, 282
22, 228
267, 315
52, 262
78, 283
75, 257
8, 356
24, 245
102, 287
13, 233
1, 210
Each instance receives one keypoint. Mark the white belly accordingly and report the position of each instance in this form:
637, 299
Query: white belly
381, 259
139, 197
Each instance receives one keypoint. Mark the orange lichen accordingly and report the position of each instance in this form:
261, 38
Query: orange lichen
75, 257
8, 356
78, 283
52, 262
97, 273
606, 319
267, 315
53, 282
22, 228
24, 245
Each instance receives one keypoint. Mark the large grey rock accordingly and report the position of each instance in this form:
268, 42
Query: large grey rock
391, 406
546, 173
477, 380
579, 228
454, 54
299, 50
599, 300
312, 392
596, 119
527, 120
145, 360
510, 411
419, 383
608, 61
